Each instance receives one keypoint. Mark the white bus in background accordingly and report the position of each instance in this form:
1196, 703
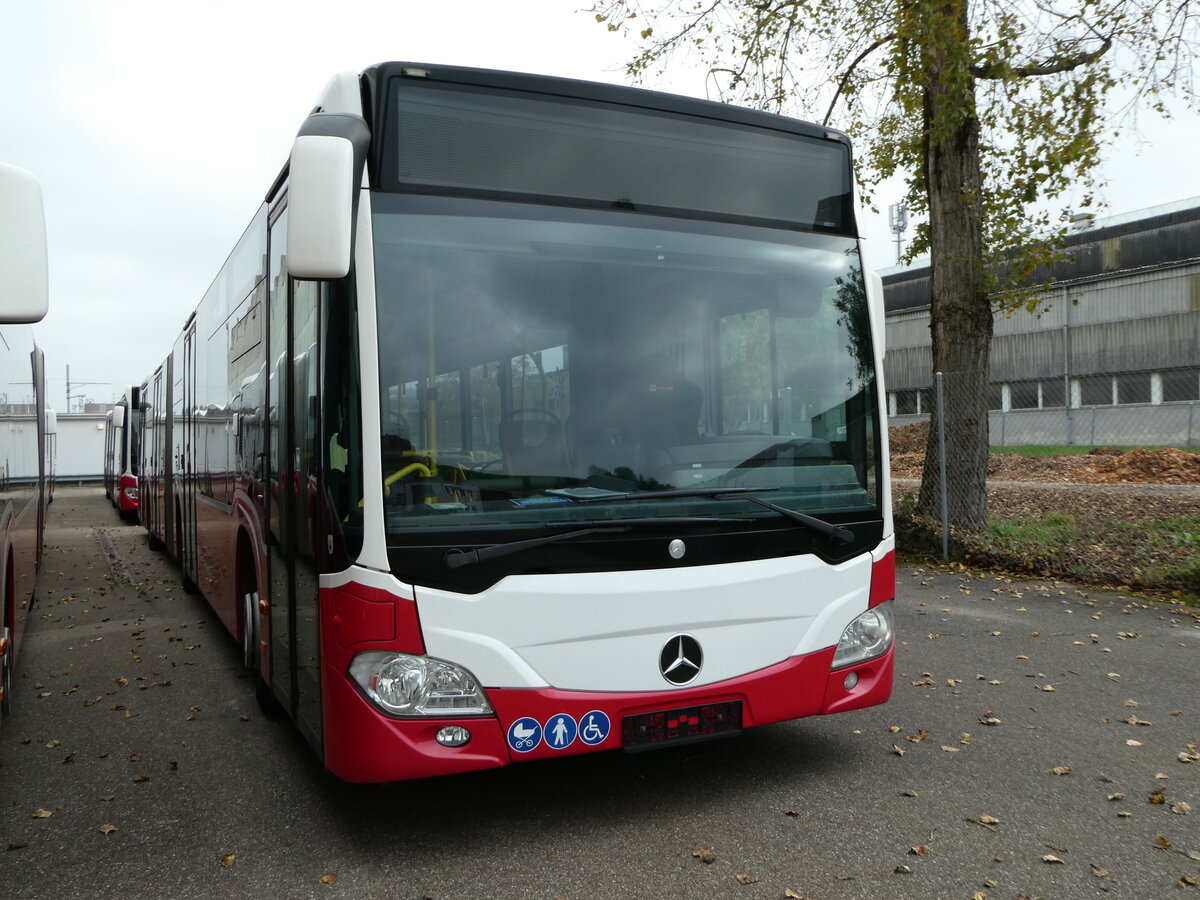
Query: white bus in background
532, 417
23, 432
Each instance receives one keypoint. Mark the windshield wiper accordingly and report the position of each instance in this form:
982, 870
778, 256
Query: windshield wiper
836, 533
456, 559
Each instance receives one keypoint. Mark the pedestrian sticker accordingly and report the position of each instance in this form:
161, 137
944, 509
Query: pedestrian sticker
594, 727
524, 734
560, 731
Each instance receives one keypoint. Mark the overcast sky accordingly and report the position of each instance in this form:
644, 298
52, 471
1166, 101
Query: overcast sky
155, 129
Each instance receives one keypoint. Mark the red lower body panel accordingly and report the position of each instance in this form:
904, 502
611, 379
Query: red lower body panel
128, 494
362, 745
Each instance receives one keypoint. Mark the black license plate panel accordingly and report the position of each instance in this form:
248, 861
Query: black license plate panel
676, 726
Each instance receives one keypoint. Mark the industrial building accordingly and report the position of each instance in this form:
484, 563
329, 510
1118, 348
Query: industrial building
1112, 357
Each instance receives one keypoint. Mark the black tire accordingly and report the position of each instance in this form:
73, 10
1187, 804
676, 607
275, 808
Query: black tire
6, 679
252, 656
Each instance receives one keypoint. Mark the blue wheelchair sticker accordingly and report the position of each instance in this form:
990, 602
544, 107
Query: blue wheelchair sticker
560, 730
594, 727
524, 734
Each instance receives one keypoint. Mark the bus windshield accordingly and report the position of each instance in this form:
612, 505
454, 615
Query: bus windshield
535, 361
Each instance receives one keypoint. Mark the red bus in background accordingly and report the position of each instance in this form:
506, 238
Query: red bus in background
24, 441
532, 417
122, 454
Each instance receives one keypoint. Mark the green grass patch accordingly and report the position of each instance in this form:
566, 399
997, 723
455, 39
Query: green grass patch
1159, 557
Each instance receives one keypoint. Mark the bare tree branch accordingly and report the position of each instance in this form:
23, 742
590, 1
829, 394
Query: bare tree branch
850, 71
1052, 66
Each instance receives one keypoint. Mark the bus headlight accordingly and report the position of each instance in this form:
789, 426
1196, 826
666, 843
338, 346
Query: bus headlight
406, 685
867, 637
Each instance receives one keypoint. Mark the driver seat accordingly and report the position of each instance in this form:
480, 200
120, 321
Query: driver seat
533, 443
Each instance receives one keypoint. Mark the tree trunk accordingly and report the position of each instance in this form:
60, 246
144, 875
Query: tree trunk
960, 311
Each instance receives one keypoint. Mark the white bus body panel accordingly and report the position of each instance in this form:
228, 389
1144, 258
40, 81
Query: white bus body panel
341, 94
605, 631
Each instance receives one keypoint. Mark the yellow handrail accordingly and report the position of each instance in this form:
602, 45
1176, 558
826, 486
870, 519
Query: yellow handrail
407, 470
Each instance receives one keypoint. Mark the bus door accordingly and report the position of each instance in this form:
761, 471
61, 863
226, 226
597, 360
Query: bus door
39, 390
167, 448
187, 537
151, 468
295, 457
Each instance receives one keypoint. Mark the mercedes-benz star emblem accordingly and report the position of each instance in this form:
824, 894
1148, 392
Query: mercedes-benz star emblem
681, 659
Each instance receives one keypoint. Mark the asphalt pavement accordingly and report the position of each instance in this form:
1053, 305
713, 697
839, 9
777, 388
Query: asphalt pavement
1041, 741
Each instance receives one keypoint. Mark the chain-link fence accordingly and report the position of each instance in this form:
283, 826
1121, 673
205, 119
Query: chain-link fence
950, 488
941, 464
1125, 409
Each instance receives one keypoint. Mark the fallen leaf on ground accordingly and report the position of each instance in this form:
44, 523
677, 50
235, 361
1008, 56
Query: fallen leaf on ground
1060, 770
1051, 858
41, 814
228, 859
705, 856
107, 829
1099, 871
746, 879
327, 879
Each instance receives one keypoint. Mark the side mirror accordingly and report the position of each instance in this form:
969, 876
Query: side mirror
320, 201
324, 173
24, 292
118, 417
51, 422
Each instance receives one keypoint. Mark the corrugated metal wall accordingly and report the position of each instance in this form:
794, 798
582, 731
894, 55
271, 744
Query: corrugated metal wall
1123, 321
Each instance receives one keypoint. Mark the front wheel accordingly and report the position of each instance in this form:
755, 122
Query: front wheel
252, 655
5, 674
250, 630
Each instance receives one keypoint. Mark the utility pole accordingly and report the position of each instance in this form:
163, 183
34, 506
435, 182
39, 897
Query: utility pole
78, 384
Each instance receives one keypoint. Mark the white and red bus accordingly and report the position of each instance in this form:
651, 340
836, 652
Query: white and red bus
122, 453
532, 417
23, 416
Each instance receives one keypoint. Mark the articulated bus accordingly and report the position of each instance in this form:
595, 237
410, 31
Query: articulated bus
533, 417
24, 439
122, 454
